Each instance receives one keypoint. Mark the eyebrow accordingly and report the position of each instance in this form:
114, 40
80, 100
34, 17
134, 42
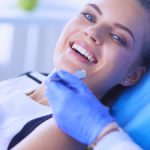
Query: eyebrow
95, 7
126, 29
116, 24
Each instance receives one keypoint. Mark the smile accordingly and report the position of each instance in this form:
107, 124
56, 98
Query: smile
84, 52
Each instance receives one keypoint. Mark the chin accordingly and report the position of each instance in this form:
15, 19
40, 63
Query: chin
66, 64
68, 68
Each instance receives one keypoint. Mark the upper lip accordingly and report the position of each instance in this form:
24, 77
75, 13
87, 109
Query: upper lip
86, 47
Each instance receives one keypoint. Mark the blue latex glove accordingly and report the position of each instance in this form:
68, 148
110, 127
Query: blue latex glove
76, 110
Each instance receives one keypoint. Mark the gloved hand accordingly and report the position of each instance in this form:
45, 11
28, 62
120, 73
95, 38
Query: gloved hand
76, 110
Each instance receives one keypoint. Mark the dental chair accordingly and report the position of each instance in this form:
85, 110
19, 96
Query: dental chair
132, 112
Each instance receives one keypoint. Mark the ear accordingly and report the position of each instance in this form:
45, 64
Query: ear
134, 76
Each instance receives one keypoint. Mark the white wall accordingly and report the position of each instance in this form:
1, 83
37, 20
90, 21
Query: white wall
32, 49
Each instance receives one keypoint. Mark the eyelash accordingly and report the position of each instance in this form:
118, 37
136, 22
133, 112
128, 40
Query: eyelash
114, 37
89, 17
118, 39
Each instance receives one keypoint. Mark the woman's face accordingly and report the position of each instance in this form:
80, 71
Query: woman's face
105, 39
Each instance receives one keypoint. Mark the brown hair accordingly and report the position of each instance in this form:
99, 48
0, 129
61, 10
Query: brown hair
146, 48
110, 98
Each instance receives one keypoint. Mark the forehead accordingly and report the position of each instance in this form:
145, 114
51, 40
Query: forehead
128, 9
126, 12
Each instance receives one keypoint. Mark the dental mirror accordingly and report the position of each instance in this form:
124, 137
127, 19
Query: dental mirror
81, 74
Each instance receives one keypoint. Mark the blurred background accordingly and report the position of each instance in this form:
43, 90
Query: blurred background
29, 30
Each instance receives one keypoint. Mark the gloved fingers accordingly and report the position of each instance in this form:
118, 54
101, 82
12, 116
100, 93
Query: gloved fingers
53, 76
57, 88
65, 84
52, 83
73, 82
69, 78
60, 97
51, 96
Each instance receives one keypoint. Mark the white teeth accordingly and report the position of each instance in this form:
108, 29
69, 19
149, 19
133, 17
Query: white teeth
86, 54
83, 52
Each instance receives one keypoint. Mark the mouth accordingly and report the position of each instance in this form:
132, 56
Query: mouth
84, 52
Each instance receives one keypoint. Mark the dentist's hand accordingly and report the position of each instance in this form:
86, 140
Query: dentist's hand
76, 110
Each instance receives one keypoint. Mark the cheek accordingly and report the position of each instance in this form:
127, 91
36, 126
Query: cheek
118, 57
115, 66
69, 32
71, 28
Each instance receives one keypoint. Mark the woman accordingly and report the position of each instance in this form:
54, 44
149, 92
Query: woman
110, 43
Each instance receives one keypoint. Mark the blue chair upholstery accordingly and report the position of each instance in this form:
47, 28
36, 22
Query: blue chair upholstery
132, 112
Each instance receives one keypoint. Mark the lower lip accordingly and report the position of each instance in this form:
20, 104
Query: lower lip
78, 56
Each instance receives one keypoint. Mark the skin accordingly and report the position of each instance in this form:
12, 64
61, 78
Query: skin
48, 136
100, 36
116, 50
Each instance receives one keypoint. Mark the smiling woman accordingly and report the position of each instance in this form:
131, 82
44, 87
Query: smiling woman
107, 42
108, 37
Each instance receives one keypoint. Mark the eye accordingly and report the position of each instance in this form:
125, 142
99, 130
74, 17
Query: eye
89, 17
118, 39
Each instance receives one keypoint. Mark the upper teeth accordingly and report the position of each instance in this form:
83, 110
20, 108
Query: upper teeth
83, 52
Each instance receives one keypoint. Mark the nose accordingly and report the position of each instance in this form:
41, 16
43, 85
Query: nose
94, 35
